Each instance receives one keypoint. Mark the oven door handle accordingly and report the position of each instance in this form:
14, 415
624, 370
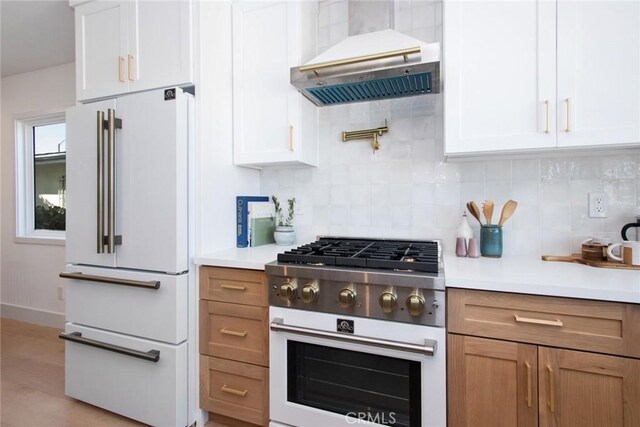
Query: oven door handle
429, 347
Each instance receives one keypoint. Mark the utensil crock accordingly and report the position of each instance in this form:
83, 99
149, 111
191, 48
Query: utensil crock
491, 240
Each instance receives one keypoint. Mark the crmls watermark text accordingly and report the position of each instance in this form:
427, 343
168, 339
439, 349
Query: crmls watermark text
368, 417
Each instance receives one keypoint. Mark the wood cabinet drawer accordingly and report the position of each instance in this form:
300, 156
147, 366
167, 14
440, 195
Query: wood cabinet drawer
234, 331
233, 285
235, 389
600, 326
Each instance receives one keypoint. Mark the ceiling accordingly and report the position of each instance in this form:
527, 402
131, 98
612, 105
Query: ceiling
35, 35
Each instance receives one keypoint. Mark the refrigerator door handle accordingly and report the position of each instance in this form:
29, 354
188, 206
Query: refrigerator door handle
112, 124
100, 183
152, 284
151, 355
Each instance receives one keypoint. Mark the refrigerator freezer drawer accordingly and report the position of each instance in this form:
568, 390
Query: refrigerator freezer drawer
106, 370
115, 301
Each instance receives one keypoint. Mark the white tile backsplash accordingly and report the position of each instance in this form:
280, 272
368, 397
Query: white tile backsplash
408, 190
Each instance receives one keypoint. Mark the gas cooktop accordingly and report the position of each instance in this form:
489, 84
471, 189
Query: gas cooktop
383, 254
396, 280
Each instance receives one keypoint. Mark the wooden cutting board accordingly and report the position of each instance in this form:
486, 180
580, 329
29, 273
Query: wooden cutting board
577, 258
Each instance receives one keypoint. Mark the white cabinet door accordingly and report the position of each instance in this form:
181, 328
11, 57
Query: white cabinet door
598, 72
160, 44
101, 46
272, 126
151, 187
82, 185
499, 59
132, 45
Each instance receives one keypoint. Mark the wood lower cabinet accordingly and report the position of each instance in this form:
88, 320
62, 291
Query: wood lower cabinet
486, 373
234, 344
494, 382
238, 390
587, 390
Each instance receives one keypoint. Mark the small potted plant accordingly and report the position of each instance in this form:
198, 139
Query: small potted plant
284, 235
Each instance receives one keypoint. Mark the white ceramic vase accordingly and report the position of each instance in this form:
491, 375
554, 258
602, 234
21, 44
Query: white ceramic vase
284, 235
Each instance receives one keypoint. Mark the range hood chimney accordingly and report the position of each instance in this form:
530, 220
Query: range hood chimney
370, 66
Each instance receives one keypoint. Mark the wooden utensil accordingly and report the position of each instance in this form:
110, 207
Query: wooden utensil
473, 209
487, 210
507, 211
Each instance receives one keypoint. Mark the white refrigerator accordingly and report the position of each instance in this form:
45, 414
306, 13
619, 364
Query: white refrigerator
128, 281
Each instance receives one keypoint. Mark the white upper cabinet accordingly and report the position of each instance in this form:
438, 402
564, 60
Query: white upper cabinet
499, 59
273, 124
130, 46
101, 39
598, 72
539, 74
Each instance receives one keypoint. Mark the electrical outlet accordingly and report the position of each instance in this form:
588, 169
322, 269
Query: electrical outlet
597, 205
60, 293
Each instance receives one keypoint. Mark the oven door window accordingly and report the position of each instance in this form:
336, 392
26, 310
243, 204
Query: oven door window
379, 389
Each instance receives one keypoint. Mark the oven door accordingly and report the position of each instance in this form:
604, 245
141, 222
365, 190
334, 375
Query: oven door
378, 373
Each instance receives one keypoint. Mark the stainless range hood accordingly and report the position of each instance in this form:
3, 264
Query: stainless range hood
367, 67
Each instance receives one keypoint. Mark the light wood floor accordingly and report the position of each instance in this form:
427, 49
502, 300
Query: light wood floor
32, 382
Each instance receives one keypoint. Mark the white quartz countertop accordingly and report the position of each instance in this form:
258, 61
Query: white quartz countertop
527, 275
533, 276
249, 258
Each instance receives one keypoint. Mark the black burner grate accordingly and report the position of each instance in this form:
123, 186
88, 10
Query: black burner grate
378, 254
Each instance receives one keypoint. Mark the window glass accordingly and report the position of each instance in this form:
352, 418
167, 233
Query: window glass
49, 174
41, 188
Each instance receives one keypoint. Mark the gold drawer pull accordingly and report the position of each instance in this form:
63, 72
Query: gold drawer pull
234, 287
529, 398
556, 322
234, 333
120, 61
552, 391
226, 389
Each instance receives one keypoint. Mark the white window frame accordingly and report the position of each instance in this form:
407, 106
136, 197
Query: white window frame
25, 221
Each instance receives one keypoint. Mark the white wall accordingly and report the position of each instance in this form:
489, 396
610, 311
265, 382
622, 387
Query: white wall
29, 272
408, 190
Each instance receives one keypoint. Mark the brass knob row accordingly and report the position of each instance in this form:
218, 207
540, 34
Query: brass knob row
348, 298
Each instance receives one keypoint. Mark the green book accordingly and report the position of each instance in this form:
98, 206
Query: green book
262, 223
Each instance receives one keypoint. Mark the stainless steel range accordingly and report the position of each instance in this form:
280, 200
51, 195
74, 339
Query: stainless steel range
357, 333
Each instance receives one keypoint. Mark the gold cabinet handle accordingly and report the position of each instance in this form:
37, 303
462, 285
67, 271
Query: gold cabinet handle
120, 61
290, 138
556, 322
130, 66
529, 392
234, 287
568, 104
552, 391
233, 333
226, 389
547, 128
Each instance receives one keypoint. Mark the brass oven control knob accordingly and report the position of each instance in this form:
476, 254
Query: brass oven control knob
347, 298
388, 302
288, 291
310, 293
415, 305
